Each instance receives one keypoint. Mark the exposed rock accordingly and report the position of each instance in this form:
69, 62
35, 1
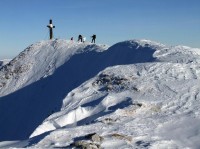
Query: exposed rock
111, 83
86, 145
109, 121
90, 141
122, 137
97, 138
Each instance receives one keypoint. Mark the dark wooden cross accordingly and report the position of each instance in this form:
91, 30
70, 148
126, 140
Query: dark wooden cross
50, 26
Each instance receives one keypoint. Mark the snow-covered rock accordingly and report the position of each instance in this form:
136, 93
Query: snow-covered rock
131, 95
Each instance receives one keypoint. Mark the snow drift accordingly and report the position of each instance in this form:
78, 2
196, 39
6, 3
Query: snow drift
129, 94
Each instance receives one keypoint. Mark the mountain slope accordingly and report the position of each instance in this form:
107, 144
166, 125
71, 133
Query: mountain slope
42, 75
146, 90
130, 106
39, 61
31, 83
147, 105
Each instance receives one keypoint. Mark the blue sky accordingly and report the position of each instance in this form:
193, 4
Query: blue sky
171, 22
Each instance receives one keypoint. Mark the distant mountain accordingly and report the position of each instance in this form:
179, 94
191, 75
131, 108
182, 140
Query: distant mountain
4, 62
134, 94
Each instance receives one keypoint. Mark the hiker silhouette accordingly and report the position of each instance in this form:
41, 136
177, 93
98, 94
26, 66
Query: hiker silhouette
93, 38
80, 38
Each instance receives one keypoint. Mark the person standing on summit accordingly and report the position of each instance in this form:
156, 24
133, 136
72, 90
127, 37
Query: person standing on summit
80, 38
93, 38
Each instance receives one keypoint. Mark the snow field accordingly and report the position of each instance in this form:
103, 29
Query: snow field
161, 98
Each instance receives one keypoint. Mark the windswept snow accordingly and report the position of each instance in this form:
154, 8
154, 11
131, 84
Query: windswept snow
135, 94
142, 102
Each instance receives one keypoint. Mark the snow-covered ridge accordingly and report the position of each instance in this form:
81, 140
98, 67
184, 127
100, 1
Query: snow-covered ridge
132, 83
44, 57
178, 54
38, 61
147, 43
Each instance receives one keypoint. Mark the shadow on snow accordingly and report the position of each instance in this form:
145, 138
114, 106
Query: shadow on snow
22, 111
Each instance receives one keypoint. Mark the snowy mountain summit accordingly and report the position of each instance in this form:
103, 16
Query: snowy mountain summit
134, 94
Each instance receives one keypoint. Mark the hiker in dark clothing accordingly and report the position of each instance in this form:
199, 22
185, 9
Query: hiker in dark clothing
80, 38
93, 38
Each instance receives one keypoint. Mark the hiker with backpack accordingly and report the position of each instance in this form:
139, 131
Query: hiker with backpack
93, 38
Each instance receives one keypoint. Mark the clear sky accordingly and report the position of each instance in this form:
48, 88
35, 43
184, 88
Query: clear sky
171, 22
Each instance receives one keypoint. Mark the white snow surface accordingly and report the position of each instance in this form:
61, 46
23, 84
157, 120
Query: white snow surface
134, 94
